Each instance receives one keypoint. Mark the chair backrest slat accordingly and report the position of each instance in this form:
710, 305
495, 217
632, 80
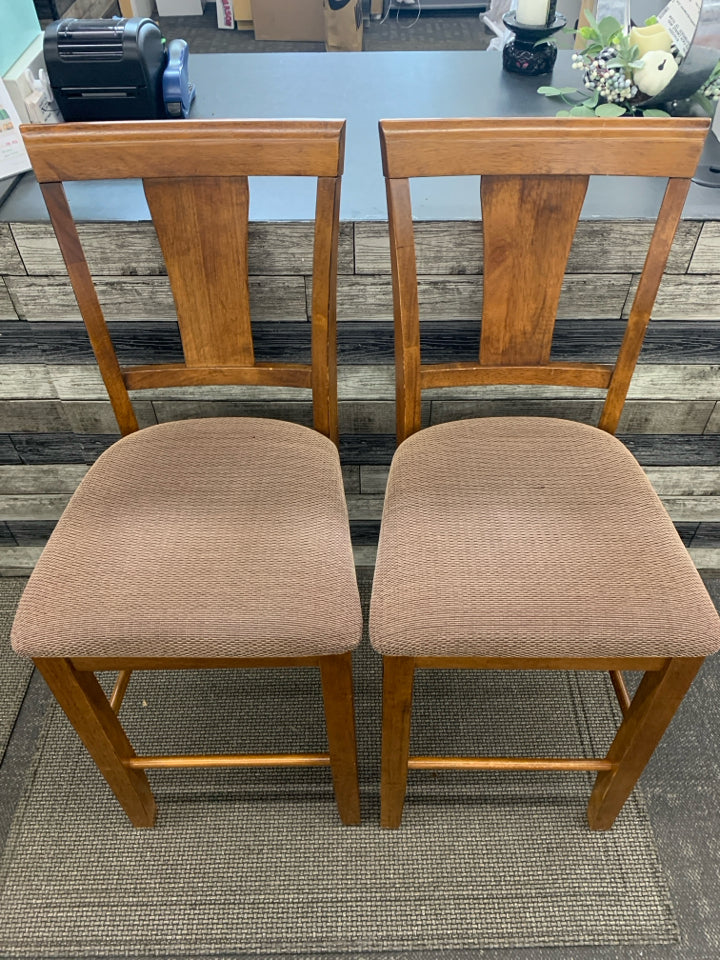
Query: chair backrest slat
528, 229
202, 226
195, 176
187, 148
534, 174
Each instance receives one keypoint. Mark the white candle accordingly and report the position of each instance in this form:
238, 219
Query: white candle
532, 12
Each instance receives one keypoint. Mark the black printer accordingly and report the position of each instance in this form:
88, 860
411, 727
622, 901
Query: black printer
106, 69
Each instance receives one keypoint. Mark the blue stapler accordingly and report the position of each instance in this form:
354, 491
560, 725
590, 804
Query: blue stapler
178, 92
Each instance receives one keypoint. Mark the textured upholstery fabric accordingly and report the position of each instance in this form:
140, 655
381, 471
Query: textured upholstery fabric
224, 537
531, 537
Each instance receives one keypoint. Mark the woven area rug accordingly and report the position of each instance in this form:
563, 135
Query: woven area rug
255, 864
14, 671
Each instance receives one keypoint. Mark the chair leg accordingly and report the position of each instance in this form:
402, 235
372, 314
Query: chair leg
88, 710
337, 687
651, 710
398, 677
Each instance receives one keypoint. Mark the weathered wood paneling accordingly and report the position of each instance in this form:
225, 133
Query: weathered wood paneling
33, 506
10, 261
18, 561
356, 382
585, 296
713, 424
684, 297
53, 478
297, 412
706, 258
639, 416
683, 486
146, 298
7, 307
95, 416
25, 381
28, 416
132, 249
457, 247
361, 508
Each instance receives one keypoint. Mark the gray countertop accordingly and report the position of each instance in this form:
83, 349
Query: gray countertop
364, 87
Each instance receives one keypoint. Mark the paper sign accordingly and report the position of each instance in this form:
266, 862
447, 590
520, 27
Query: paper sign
13, 155
680, 19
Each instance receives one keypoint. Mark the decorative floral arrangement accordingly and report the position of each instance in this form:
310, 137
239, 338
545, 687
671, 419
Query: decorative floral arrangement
622, 71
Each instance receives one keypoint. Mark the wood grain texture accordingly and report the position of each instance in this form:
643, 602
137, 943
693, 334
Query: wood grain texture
713, 423
8, 310
688, 297
639, 416
10, 260
588, 296
706, 258
29, 381
85, 705
202, 228
338, 700
653, 707
540, 145
37, 506
87, 298
398, 678
456, 247
132, 249
528, 228
32, 479
149, 148
675, 344
147, 298
643, 300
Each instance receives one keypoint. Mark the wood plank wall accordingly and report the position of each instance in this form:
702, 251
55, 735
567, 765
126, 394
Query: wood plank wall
55, 418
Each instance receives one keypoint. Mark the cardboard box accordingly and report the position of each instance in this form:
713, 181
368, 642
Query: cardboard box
180, 8
243, 14
343, 24
283, 20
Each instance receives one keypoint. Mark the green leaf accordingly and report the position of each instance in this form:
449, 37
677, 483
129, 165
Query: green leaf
608, 27
563, 113
582, 111
591, 20
555, 91
655, 113
593, 100
650, 21
609, 110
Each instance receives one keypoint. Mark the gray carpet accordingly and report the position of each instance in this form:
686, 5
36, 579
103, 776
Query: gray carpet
14, 672
400, 31
247, 863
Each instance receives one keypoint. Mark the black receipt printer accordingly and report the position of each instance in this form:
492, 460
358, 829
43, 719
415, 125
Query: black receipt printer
106, 69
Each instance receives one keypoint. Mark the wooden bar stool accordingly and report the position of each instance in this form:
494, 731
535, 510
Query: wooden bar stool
531, 543
200, 544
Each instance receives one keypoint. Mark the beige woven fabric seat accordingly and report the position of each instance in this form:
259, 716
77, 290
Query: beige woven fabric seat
243, 552
531, 537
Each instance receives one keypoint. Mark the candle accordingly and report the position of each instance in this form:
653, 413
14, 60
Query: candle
534, 13
654, 37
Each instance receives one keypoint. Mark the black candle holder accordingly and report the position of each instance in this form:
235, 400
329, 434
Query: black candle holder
522, 53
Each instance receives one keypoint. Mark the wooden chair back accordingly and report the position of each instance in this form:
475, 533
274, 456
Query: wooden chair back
534, 176
195, 177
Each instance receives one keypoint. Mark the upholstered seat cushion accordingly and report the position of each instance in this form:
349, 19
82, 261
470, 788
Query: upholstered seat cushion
531, 537
225, 537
